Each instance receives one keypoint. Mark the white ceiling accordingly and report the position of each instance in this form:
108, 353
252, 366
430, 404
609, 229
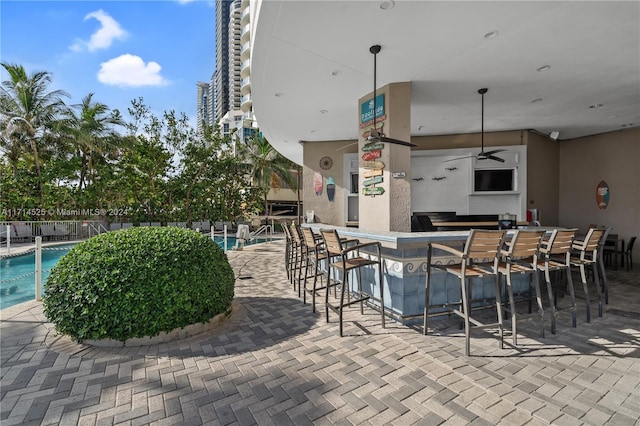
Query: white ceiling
593, 48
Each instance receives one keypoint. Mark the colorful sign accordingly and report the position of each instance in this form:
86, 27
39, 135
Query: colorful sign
602, 195
366, 109
372, 173
372, 146
373, 165
376, 190
372, 181
372, 155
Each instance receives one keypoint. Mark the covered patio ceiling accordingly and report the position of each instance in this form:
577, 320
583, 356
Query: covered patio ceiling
571, 67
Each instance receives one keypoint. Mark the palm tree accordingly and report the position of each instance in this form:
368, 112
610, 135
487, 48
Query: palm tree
267, 167
91, 130
28, 113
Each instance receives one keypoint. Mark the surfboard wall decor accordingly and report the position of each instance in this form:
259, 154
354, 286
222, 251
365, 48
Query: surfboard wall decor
602, 195
317, 183
331, 189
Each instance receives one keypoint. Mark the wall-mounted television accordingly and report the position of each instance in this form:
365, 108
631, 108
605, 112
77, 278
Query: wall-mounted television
494, 180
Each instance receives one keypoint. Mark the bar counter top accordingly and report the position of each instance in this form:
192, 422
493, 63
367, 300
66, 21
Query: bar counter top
404, 240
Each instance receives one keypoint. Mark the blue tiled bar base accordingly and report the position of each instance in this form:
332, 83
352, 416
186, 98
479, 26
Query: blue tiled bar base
405, 274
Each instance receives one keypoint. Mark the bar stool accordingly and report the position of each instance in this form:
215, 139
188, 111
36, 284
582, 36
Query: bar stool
585, 253
296, 257
521, 257
604, 283
287, 249
627, 254
478, 259
555, 256
313, 253
350, 259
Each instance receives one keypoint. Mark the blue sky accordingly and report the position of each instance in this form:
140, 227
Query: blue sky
119, 50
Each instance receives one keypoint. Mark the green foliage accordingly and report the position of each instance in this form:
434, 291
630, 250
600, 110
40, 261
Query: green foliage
138, 282
87, 157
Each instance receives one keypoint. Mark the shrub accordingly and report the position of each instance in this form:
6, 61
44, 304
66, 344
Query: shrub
138, 282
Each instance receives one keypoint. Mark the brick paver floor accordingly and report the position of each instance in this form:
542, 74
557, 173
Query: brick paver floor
274, 362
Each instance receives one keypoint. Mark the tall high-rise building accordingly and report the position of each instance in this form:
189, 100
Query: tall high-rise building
229, 94
204, 113
221, 74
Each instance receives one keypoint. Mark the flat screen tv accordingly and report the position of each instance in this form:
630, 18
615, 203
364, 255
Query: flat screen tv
494, 180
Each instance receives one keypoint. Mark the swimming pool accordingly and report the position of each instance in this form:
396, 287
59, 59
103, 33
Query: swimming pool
17, 273
17, 283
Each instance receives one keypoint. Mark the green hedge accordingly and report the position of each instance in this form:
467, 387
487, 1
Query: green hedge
138, 282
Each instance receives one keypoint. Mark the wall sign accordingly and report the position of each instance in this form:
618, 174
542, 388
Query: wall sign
366, 110
602, 195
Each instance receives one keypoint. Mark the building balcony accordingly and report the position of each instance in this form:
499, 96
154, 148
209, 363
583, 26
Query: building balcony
246, 51
246, 69
245, 86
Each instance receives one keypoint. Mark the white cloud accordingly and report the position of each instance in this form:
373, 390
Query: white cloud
109, 31
130, 71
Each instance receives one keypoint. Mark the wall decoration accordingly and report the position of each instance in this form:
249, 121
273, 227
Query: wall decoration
317, 183
371, 146
372, 155
602, 195
331, 189
326, 163
373, 165
372, 181
372, 172
375, 190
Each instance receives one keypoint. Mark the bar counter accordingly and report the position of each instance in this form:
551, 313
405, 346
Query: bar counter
405, 268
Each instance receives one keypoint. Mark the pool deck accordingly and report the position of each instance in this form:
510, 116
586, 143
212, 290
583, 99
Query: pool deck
274, 362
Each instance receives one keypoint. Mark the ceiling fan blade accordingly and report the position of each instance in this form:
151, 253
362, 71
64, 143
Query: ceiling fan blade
495, 151
494, 158
458, 158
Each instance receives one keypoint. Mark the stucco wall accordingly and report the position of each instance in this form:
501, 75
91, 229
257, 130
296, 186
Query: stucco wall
613, 157
324, 210
543, 164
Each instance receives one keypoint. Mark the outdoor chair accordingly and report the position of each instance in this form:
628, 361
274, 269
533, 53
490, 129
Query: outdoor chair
22, 232
313, 254
627, 254
555, 255
585, 253
287, 249
478, 259
296, 257
520, 256
350, 260
602, 273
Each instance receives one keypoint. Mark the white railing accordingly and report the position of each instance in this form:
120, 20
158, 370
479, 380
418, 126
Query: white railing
27, 231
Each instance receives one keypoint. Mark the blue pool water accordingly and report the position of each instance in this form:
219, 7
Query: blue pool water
17, 274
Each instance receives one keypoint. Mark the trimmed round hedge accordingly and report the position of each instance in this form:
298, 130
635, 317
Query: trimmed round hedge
138, 282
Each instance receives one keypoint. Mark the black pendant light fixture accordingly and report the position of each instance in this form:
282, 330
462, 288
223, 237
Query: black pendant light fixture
374, 134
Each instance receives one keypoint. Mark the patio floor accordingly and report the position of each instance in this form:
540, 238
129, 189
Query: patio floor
273, 362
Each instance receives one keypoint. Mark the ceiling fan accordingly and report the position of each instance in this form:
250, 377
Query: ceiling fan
374, 134
483, 155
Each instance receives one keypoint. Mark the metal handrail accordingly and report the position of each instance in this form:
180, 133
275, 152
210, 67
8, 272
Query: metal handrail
266, 229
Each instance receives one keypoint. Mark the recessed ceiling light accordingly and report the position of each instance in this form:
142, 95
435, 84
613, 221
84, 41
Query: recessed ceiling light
536, 100
387, 4
323, 111
544, 68
491, 34
313, 131
596, 106
278, 95
336, 73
